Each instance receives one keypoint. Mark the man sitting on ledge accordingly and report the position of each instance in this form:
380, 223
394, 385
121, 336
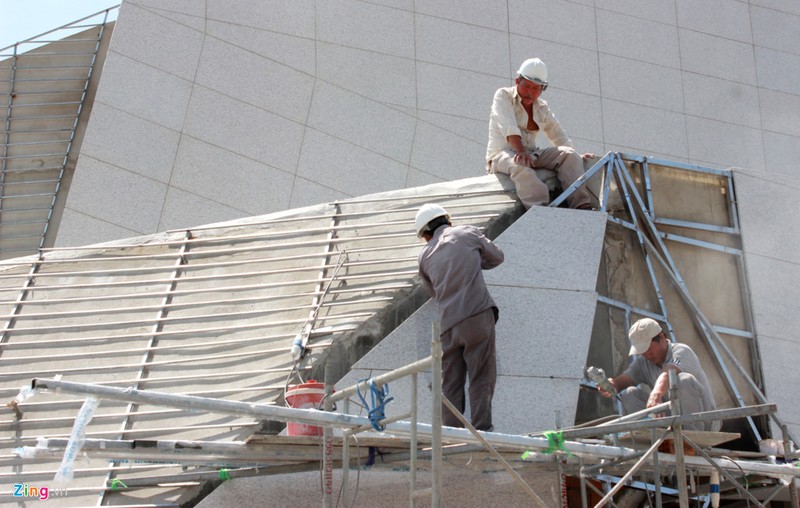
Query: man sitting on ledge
518, 114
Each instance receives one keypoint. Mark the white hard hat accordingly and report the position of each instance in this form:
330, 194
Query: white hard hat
534, 70
427, 213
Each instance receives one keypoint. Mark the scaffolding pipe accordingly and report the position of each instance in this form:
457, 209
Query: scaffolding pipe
436, 417
449, 434
677, 427
630, 473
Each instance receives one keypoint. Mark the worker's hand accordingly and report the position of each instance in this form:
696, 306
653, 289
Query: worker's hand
587, 155
524, 159
655, 399
606, 393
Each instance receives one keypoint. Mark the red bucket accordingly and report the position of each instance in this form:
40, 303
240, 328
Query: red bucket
304, 396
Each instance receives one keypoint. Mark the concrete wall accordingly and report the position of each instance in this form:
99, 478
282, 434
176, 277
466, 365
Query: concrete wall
218, 109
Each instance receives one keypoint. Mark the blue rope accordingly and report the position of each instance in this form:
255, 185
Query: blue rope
379, 401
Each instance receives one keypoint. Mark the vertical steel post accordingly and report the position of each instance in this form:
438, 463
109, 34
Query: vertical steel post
677, 434
436, 418
656, 472
584, 497
327, 437
413, 446
346, 458
787, 449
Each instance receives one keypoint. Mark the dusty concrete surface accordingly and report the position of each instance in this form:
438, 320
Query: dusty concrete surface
465, 484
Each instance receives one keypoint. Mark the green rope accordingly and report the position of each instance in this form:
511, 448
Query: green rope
224, 474
116, 483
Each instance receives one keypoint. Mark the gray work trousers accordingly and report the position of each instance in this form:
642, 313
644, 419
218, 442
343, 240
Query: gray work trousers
565, 161
468, 352
693, 400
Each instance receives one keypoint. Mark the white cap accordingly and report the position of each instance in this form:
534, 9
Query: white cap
641, 334
427, 213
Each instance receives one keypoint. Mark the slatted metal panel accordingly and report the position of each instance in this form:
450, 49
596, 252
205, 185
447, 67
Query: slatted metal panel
44, 83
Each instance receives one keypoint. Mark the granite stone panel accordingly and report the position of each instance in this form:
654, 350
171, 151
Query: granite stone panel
789, 6
185, 210
348, 168
781, 153
193, 21
383, 78
156, 41
256, 80
524, 404
469, 129
460, 45
775, 30
554, 20
489, 13
773, 289
194, 9
474, 100
610, 147
128, 142
724, 143
409, 342
779, 359
306, 193
539, 255
644, 129
118, 196
290, 18
244, 129
568, 67
778, 70
543, 332
230, 179
580, 115
766, 205
418, 178
780, 112
653, 10
446, 154
290, 50
637, 39
716, 17
77, 229
144, 91
642, 83
353, 118
719, 99
717, 57
366, 26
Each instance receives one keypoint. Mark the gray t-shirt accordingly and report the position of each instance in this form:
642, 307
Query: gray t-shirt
642, 370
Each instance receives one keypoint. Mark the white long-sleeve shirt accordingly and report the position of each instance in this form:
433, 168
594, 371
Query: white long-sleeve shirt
509, 118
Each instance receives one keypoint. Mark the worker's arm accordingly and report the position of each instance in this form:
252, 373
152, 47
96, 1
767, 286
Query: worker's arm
620, 383
491, 255
662, 386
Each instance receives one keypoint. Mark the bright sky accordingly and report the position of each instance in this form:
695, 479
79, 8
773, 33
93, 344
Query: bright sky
22, 19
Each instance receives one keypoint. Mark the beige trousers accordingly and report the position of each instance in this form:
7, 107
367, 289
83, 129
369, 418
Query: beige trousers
565, 161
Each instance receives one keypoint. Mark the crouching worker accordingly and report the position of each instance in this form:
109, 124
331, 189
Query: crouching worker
450, 266
645, 383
